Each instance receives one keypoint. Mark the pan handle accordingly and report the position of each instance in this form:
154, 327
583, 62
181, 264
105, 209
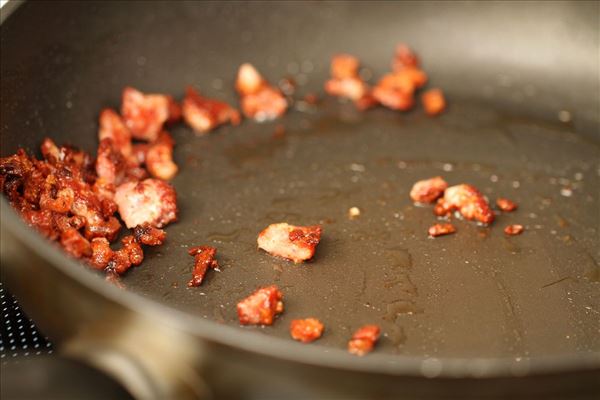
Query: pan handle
56, 377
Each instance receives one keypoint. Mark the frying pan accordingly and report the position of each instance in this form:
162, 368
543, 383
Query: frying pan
472, 314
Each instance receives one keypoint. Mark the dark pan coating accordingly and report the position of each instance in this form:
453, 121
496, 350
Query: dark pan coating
476, 293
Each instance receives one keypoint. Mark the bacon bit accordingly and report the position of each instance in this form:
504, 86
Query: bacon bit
204, 114
259, 99
61, 203
428, 190
441, 229
433, 101
344, 66
441, 209
261, 307
306, 330
145, 114
101, 253
350, 88
296, 243
120, 262
75, 244
393, 98
133, 248
404, 57
345, 81
514, 229
469, 202
150, 201
204, 258
506, 204
364, 340
396, 90
159, 157
110, 163
112, 127
149, 235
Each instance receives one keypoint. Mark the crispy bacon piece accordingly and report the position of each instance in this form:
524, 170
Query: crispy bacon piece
204, 114
75, 244
261, 307
112, 127
133, 248
145, 114
404, 57
433, 101
469, 202
259, 100
61, 202
149, 235
55, 196
306, 330
506, 204
514, 229
441, 229
150, 201
204, 258
159, 157
441, 209
110, 163
346, 82
428, 190
101, 253
296, 243
396, 90
364, 340
120, 262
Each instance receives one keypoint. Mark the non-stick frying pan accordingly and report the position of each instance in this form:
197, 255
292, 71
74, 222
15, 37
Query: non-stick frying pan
477, 310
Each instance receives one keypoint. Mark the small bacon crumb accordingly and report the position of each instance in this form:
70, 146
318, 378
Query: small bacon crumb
204, 258
514, 229
306, 330
404, 57
145, 114
433, 101
149, 235
204, 114
469, 202
363, 340
506, 204
428, 190
261, 307
296, 243
259, 100
345, 81
159, 157
441, 229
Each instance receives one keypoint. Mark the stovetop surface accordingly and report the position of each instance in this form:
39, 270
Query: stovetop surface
19, 336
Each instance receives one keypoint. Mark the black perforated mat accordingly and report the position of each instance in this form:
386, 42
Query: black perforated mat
19, 337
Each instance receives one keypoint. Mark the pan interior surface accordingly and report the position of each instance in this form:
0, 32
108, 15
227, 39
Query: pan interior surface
477, 293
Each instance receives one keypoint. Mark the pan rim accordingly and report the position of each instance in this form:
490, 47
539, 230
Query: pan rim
283, 349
